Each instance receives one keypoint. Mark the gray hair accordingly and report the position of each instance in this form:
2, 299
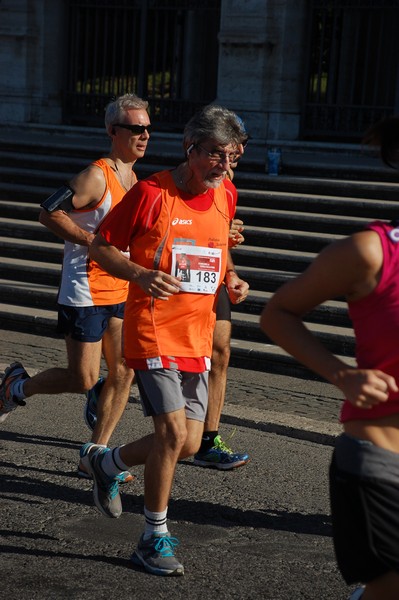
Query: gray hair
216, 123
115, 110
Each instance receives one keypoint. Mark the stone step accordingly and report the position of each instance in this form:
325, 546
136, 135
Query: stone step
337, 161
340, 340
244, 354
267, 210
31, 301
26, 230
21, 160
46, 273
51, 176
288, 239
365, 206
315, 221
252, 256
29, 271
23, 293
317, 217
49, 252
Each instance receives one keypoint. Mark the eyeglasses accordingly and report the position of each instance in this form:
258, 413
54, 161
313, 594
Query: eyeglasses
135, 129
218, 157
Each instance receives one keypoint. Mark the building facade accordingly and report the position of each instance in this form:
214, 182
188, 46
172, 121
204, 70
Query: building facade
303, 70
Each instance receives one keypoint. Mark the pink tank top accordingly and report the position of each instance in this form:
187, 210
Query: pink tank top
375, 321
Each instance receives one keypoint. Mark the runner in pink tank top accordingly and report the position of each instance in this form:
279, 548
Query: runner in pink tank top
364, 471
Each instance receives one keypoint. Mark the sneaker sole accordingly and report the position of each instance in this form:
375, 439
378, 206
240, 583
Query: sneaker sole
220, 466
137, 560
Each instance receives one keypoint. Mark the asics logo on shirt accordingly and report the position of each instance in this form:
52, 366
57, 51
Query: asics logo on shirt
178, 221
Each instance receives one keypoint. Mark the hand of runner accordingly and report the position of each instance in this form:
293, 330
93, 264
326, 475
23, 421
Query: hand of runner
158, 284
237, 288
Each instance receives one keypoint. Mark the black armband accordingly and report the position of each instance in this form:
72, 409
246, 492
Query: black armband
60, 200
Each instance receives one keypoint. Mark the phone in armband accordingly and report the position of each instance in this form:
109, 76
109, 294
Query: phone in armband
60, 200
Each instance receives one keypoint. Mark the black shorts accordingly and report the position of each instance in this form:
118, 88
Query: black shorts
223, 307
87, 323
364, 493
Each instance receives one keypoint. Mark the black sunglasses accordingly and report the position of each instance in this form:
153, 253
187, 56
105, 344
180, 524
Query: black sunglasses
135, 129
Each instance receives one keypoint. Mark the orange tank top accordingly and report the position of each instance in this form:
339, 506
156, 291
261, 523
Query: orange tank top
104, 288
183, 325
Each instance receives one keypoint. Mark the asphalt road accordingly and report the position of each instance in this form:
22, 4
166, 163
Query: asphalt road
261, 531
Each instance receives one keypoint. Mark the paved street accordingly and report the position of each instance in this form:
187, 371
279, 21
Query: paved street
262, 531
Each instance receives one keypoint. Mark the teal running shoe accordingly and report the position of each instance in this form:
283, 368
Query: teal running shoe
106, 489
157, 555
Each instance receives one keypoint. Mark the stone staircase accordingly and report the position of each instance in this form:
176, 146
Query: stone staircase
320, 196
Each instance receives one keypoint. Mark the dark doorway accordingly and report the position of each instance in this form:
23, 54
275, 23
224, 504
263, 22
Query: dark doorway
352, 67
165, 51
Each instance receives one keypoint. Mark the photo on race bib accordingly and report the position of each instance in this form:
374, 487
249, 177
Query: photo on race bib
197, 267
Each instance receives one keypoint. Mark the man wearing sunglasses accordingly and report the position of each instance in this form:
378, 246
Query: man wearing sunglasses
168, 325
90, 301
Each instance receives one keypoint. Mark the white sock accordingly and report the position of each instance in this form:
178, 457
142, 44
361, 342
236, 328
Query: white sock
112, 464
155, 522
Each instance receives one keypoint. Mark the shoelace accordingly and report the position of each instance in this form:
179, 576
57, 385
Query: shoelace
165, 545
110, 486
221, 445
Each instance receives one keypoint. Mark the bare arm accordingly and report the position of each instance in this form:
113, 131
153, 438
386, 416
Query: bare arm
63, 227
348, 268
154, 283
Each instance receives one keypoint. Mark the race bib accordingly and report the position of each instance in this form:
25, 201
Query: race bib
197, 267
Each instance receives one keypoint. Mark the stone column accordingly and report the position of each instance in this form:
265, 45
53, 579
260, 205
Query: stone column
262, 64
31, 55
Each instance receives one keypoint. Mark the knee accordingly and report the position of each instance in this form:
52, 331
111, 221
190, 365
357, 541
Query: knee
191, 446
85, 382
220, 356
125, 373
175, 438
120, 374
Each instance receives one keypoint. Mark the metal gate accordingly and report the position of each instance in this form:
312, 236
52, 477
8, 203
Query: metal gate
353, 65
165, 51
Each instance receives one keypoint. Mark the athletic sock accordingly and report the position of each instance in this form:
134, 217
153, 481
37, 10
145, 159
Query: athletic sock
155, 522
17, 389
207, 441
112, 464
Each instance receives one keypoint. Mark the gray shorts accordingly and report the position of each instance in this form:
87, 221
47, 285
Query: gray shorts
166, 390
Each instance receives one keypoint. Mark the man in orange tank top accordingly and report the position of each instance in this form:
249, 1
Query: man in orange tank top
90, 302
169, 323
